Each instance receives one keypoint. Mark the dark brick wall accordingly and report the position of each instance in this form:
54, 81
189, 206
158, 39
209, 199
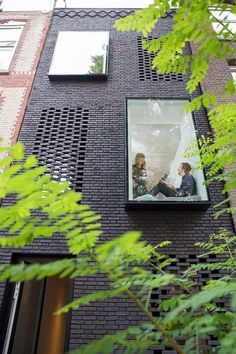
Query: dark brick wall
104, 161
214, 81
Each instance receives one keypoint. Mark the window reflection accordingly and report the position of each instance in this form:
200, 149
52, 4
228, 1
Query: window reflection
159, 133
80, 54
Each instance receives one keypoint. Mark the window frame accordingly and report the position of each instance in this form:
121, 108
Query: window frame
233, 71
160, 205
11, 24
52, 75
226, 20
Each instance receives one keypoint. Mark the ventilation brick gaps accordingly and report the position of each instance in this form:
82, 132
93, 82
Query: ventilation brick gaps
60, 143
145, 63
201, 278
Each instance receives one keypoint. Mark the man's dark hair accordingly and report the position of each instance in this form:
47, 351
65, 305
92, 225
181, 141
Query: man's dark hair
186, 167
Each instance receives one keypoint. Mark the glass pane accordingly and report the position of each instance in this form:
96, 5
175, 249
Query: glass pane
29, 311
9, 36
5, 58
80, 53
53, 328
159, 133
233, 73
8, 33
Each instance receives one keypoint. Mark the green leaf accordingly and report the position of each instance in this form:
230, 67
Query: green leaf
30, 162
18, 151
85, 300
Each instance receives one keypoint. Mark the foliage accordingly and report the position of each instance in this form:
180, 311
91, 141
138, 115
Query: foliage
192, 22
219, 152
42, 207
132, 268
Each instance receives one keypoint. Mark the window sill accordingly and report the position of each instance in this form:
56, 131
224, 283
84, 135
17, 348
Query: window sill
57, 77
167, 205
4, 72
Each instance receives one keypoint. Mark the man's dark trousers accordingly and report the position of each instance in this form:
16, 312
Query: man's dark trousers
162, 188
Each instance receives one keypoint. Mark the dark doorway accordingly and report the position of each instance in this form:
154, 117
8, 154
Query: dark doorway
32, 326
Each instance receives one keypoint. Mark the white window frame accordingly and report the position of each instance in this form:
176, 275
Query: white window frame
226, 18
233, 72
8, 44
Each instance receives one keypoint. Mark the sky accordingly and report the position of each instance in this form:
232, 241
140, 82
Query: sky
46, 5
105, 3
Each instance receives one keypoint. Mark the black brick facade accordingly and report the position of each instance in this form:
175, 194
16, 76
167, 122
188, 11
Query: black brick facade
104, 162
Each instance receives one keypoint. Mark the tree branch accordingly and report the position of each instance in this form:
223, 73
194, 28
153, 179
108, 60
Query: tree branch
158, 326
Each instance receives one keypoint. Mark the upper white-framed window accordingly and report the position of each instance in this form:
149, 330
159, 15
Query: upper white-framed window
226, 27
80, 54
9, 36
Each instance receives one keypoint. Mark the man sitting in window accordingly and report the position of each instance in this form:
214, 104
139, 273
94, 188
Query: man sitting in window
187, 187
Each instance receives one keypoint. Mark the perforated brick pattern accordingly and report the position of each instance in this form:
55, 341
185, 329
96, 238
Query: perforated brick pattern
61, 141
145, 66
92, 13
178, 267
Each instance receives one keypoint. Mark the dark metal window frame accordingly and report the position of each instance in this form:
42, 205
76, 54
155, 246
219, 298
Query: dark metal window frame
159, 205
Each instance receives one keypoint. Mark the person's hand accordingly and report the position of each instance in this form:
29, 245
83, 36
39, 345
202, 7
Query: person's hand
171, 186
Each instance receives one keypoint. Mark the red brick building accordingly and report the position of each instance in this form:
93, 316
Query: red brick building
22, 36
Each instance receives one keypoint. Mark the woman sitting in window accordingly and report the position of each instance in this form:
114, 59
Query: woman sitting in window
139, 175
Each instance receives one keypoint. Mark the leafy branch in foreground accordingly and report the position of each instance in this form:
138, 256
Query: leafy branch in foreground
218, 150
45, 208
42, 206
133, 268
192, 23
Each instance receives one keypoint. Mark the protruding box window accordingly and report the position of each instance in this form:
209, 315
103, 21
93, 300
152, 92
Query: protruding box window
159, 133
80, 54
9, 36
